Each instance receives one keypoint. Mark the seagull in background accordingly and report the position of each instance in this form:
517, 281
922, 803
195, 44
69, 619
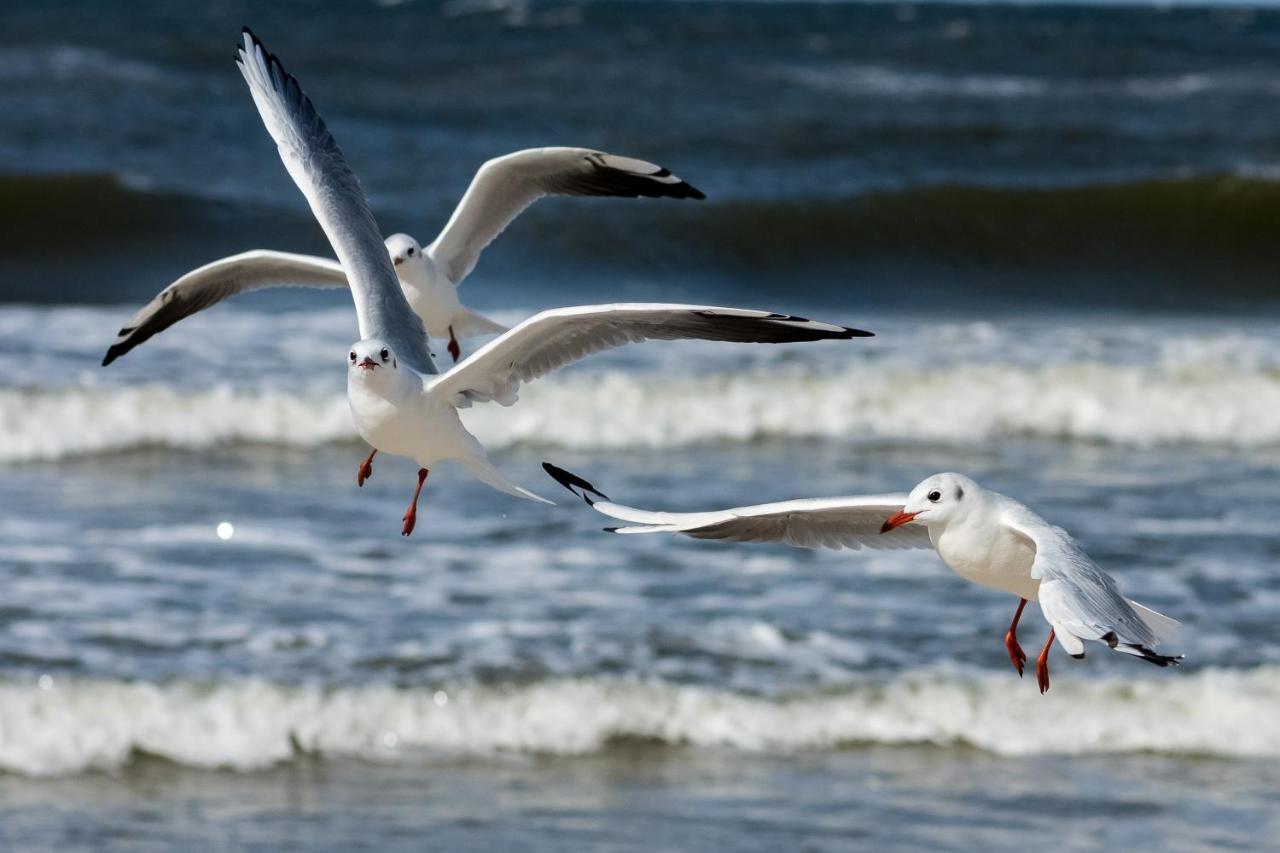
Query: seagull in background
982, 536
399, 401
429, 275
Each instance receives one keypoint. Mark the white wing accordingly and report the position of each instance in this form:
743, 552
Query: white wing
555, 338
318, 168
1081, 601
210, 284
850, 522
505, 186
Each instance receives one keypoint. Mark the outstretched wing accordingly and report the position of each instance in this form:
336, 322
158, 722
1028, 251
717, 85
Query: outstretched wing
555, 338
848, 522
210, 284
505, 186
318, 168
1082, 602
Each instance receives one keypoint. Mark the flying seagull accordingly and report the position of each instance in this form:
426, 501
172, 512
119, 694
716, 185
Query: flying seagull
983, 536
429, 275
399, 401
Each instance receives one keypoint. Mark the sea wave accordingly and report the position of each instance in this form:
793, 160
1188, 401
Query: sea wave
1201, 402
55, 728
1060, 243
52, 425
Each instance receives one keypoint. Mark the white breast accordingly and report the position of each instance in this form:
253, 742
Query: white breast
384, 418
431, 296
990, 555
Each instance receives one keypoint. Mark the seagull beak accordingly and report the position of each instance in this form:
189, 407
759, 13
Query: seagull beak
397, 261
368, 363
897, 521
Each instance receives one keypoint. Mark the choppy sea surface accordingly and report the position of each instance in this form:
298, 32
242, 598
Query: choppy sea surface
1058, 221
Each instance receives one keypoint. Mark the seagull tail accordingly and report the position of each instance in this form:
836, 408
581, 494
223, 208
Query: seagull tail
483, 470
470, 324
1162, 626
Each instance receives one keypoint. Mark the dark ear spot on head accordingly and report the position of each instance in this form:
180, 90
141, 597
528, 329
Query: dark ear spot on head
959, 492
395, 362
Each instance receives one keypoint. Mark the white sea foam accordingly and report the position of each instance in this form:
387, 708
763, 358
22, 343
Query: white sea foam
47, 425
1191, 401
51, 727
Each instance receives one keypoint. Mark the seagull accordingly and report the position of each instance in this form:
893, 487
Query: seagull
429, 276
399, 401
982, 536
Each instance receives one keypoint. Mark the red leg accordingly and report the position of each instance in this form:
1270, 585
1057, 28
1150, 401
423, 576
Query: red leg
365, 471
411, 515
1016, 654
1042, 664
454, 349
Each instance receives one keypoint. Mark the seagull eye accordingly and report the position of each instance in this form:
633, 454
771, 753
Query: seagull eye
410, 252
935, 496
386, 354
352, 356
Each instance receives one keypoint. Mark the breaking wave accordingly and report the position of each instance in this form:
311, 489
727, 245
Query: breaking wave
1208, 241
1209, 403
64, 728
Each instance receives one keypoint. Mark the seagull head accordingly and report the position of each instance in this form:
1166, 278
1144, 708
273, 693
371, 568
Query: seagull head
371, 358
940, 499
404, 250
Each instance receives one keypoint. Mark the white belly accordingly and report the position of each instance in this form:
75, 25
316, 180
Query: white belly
995, 558
436, 302
416, 426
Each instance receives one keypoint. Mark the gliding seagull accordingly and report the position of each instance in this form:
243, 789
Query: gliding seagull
983, 536
429, 276
398, 400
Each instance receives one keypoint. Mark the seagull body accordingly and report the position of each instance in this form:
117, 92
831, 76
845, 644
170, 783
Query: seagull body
430, 275
399, 400
433, 296
983, 536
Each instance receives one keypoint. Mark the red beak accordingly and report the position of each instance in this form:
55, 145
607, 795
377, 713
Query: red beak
368, 363
897, 521
397, 261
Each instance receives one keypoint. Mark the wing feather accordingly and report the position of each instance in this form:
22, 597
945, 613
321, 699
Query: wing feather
558, 337
847, 522
505, 186
1082, 600
317, 166
210, 284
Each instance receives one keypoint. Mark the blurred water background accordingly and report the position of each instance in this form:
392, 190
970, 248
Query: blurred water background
1060, 220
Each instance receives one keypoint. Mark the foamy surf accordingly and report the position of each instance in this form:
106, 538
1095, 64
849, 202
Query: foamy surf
1207, 402
55, 728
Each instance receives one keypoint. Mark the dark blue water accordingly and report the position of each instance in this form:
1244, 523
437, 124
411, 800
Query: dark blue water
1060, 221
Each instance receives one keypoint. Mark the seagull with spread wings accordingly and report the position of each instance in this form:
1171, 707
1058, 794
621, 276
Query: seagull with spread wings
429, 275
983, 536
399, 401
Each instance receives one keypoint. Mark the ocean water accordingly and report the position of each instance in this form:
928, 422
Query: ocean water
1058, 220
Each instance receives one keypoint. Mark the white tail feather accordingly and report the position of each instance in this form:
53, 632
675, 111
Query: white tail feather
1162, 626
484, 471
470, 324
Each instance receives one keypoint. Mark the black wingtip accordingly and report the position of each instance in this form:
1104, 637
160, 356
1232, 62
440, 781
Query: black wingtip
610, 529
695, 193
113, 352
1150, 656
859, 333
573, 483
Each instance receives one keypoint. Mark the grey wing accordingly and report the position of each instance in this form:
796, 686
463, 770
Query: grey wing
848, 522
210, 284
1082, 602
317, 166
552, 339
505, 186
